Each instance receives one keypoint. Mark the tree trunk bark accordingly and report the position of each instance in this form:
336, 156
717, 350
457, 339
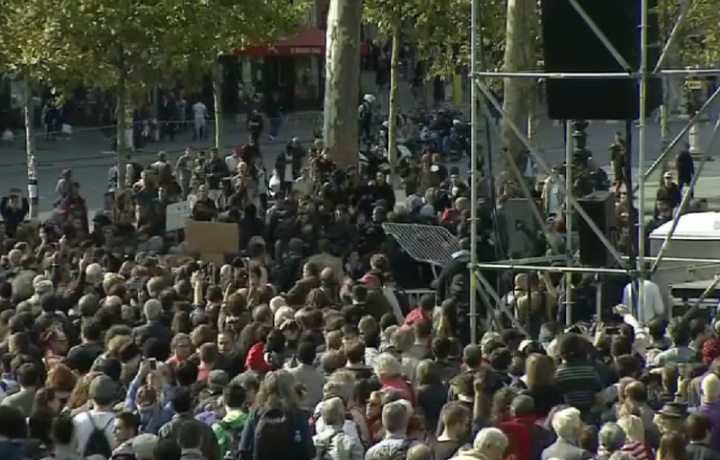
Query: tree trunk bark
519, 44
393, 104
217, 102
32, 184
342, 81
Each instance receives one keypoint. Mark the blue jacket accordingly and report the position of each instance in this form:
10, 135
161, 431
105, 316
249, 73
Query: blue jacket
12, 449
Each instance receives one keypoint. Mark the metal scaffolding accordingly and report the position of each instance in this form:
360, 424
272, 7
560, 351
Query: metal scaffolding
641, 75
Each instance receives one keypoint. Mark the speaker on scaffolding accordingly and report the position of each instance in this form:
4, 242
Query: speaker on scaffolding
600, 207
521, 227
570, 46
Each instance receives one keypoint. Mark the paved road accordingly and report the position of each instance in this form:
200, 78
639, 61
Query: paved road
84, 153
87, 155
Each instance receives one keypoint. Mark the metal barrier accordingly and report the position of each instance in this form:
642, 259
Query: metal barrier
415, 294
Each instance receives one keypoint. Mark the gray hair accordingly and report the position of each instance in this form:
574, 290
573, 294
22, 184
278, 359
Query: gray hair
387, 365
333, 411
113, 301
43, 287
491, 442
343, 384
611, 437
94, 272
566, 422
633, 427
152, 309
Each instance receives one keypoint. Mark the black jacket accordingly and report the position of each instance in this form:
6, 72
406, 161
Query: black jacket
700, 451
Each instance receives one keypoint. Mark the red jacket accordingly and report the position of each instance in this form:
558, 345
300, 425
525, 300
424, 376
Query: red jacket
417, 314
517, 431
255, 360
450, 216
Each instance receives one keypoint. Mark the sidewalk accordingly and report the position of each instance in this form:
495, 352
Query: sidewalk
92, 145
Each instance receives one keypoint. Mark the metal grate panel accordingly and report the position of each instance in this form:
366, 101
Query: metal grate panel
425, 243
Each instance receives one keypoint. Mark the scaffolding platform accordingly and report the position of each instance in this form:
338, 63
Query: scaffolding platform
430, 244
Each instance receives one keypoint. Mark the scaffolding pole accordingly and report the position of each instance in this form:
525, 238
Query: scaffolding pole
641, 76
473, 171
540, 161
641, 154
501, 305
524, 189
552, 269
685, 199
599, 75
568, 217
678, 138
673, 34
601, 36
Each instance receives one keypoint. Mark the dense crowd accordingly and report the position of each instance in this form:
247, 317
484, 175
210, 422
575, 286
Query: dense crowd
116, 342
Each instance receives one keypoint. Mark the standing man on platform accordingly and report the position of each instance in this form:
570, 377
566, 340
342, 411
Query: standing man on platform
684, 167
618, 162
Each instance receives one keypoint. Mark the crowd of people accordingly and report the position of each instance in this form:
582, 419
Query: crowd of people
117, 343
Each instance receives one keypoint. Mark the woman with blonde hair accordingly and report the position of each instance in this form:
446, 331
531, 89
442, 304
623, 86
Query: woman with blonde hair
277, 406
79, 400
672, 447
634, 430
540, 381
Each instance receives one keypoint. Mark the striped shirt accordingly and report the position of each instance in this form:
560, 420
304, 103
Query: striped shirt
578, 383
634, 448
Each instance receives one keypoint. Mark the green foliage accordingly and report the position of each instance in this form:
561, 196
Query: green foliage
440, 29
144, 42
30, 42
696, 44
215, 27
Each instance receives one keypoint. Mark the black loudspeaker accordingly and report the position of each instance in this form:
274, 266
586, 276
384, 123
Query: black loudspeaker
521, 227
570, 46
600, 206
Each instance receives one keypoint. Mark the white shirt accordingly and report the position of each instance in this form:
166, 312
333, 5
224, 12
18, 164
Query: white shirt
199, 111
554, 199
350, 428
654, 304
84, 427
232, 162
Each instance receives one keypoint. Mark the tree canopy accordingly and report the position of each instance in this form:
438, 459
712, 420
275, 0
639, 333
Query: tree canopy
94, 42
214, 27
30, 41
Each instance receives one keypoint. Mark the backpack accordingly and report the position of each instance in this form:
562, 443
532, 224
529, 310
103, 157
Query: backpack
98, 443
276, 436
234, 434
399, 453
322, 449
